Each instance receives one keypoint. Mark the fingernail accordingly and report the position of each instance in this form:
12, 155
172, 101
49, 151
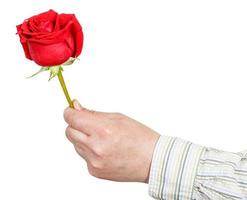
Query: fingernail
77, 105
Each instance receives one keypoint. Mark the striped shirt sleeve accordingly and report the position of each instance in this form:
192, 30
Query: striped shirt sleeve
181, 170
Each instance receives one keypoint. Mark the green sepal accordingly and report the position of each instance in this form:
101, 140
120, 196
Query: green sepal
70, 61
54, 71
42, 69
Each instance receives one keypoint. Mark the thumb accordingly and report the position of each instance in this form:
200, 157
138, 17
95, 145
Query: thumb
80, 118
77, 105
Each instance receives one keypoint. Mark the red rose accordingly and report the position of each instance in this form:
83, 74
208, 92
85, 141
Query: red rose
50, 38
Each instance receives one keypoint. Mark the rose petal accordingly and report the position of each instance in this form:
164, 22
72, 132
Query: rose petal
51, 39
76, 30
49, 55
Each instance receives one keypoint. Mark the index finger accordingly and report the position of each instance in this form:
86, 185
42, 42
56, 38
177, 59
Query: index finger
82, 120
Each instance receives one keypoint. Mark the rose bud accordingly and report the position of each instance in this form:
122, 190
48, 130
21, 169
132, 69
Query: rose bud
50, 39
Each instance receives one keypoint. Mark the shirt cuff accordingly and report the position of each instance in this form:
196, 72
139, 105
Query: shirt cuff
173, 169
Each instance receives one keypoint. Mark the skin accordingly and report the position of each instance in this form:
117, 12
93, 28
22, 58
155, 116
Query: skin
114, 146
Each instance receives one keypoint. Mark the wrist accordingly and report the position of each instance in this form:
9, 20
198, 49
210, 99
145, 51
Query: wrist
149, 150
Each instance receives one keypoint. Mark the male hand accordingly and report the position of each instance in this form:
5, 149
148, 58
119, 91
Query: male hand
114, 146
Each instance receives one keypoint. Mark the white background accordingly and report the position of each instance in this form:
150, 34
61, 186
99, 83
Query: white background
178, 66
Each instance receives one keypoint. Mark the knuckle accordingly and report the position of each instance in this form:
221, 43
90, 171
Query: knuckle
80, 149
66, 114
104, 131
117, 115
100, 151
97, 165
93, 171
107, 130
67, 132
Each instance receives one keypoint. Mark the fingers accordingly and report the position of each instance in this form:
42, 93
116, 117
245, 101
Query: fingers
76, 137
83, 120
80, 142
82, 152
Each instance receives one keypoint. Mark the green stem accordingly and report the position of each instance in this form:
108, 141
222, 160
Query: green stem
61, 80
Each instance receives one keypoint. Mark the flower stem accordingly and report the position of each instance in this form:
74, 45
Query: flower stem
65, 91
